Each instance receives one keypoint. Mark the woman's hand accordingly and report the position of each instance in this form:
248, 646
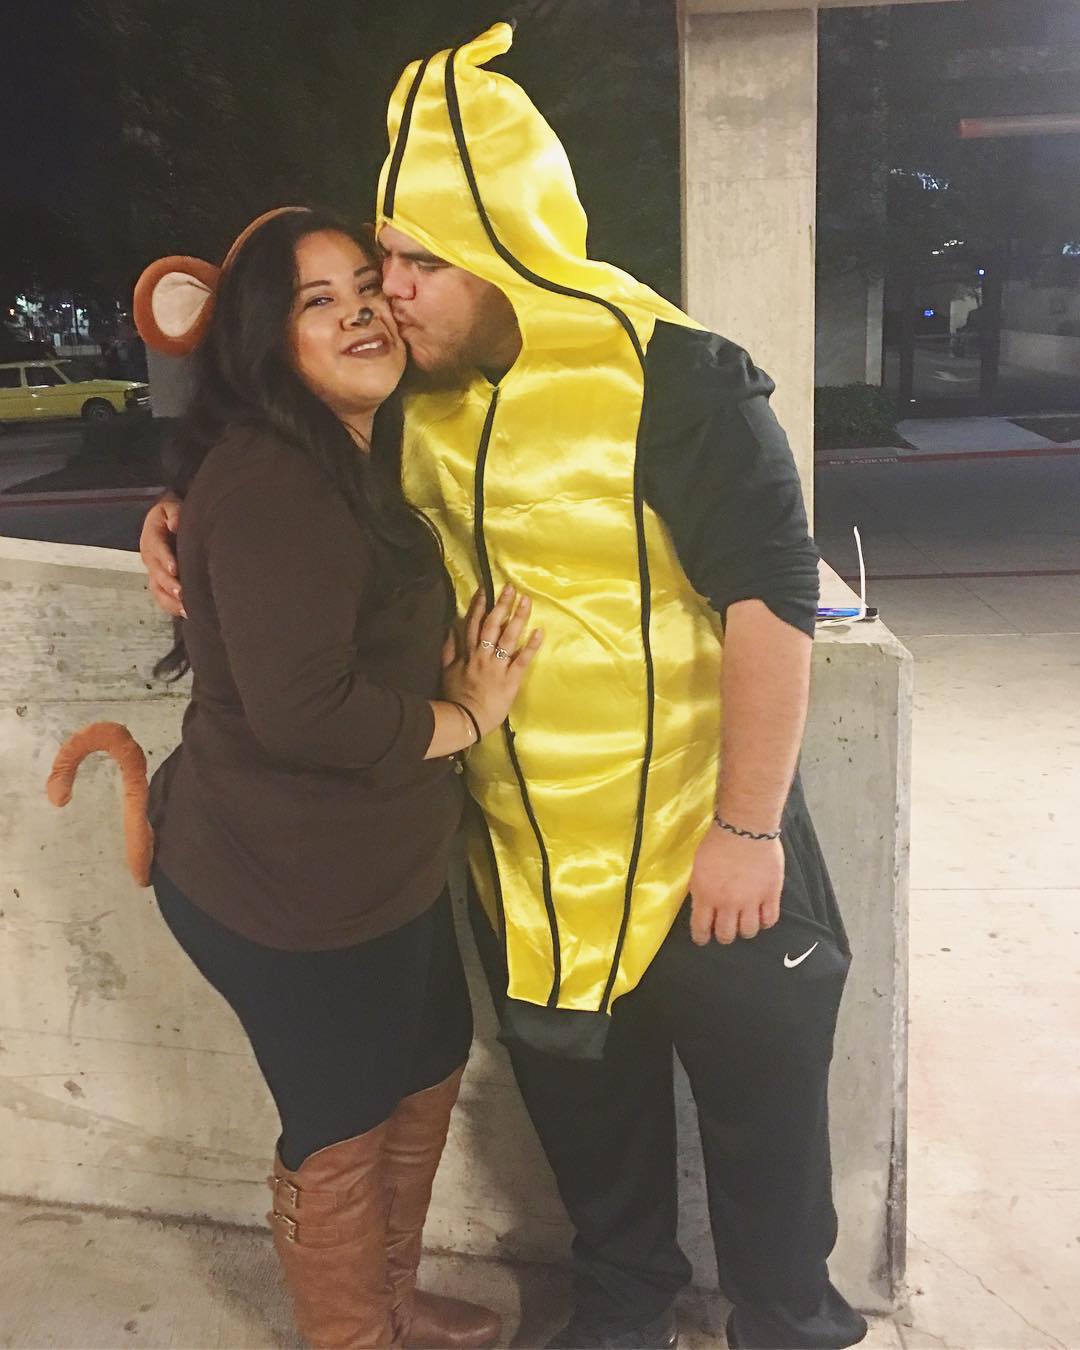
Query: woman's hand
157, 547
487, 675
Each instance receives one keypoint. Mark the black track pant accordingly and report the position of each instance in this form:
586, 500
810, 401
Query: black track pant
340, 1036
753, 1026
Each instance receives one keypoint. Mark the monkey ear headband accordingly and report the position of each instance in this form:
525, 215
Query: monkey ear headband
174, 297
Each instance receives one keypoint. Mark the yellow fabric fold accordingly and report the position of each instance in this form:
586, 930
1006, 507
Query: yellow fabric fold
598, 795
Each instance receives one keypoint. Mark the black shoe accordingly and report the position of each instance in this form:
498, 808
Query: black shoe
662, 1333
847, 1331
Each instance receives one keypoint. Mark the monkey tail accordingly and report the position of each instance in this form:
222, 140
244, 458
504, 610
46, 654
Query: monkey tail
112, 739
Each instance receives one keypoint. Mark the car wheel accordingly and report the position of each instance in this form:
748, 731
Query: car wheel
97, 410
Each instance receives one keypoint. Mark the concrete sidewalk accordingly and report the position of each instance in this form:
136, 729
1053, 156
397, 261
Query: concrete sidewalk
29, 452
76, 1278
981, 560
957, 437
977, 435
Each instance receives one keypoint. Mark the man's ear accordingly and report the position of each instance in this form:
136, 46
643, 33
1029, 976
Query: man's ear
174, 299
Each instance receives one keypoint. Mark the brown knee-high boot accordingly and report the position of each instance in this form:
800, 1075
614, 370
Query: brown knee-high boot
414, 1144
328, 1219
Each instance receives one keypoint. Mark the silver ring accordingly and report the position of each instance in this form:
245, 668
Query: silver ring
487, 646
501, 655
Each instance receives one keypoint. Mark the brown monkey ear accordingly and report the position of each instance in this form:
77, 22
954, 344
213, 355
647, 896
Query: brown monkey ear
174, 299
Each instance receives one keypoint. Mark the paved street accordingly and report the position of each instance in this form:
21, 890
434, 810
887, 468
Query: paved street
103, 517
105, 522
944, 519
27, 452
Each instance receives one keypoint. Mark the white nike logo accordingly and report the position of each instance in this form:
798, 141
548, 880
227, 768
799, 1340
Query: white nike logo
800, 959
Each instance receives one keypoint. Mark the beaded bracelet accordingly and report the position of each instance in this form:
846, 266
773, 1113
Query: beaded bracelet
744, 834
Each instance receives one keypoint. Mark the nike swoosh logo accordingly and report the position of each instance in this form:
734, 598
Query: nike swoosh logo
791, 964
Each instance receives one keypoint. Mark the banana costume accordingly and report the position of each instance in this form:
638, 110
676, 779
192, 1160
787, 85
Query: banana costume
595, 798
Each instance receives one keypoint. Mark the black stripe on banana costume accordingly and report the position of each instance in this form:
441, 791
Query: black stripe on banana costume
597, 794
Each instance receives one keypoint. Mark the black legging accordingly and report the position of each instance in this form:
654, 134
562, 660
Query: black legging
340, 1036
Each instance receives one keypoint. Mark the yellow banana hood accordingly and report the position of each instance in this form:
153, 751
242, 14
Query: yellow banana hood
593, 801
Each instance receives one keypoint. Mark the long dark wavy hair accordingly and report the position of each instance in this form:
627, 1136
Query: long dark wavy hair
244, 377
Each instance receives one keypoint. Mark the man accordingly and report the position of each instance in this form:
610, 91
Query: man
571, 431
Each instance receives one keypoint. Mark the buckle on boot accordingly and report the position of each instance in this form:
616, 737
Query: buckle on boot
292, 1228
293, 1197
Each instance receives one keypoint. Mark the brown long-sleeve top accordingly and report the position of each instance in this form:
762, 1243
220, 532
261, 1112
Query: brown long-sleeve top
299, 810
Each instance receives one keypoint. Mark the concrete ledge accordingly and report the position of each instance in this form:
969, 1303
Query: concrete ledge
125, 1082
34, 560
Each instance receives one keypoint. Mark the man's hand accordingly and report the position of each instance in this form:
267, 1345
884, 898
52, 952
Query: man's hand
157, 548
735, 887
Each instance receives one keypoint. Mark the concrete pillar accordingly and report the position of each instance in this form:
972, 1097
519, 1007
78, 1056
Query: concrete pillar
749, 185
749, 160
171, 383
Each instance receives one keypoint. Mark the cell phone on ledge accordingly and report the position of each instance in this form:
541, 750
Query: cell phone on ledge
847, 612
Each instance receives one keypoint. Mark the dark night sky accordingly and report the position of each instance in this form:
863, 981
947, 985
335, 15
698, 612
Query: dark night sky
52, 121
46, 107
63, 121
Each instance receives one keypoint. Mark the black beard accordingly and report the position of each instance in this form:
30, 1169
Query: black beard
417, 381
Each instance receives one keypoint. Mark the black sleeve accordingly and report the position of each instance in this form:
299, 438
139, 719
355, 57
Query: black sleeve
717, 469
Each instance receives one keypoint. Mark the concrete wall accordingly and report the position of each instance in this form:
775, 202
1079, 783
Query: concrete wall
1041, 352
848, 325
749, 157
1041, 309
124, 1081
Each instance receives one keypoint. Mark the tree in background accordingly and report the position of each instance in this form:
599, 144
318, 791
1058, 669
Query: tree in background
42, 250
218, 112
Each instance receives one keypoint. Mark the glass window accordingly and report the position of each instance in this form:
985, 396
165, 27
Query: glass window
39, 377
10, 379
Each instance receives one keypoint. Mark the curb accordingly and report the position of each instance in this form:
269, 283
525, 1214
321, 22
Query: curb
830, 460
80, 497
963, 576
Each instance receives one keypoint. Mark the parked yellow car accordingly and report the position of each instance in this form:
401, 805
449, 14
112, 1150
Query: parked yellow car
38, 391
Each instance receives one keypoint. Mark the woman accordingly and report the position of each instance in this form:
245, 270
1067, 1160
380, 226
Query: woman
304, 824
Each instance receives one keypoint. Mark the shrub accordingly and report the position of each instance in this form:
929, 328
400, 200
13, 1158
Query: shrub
849, 416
